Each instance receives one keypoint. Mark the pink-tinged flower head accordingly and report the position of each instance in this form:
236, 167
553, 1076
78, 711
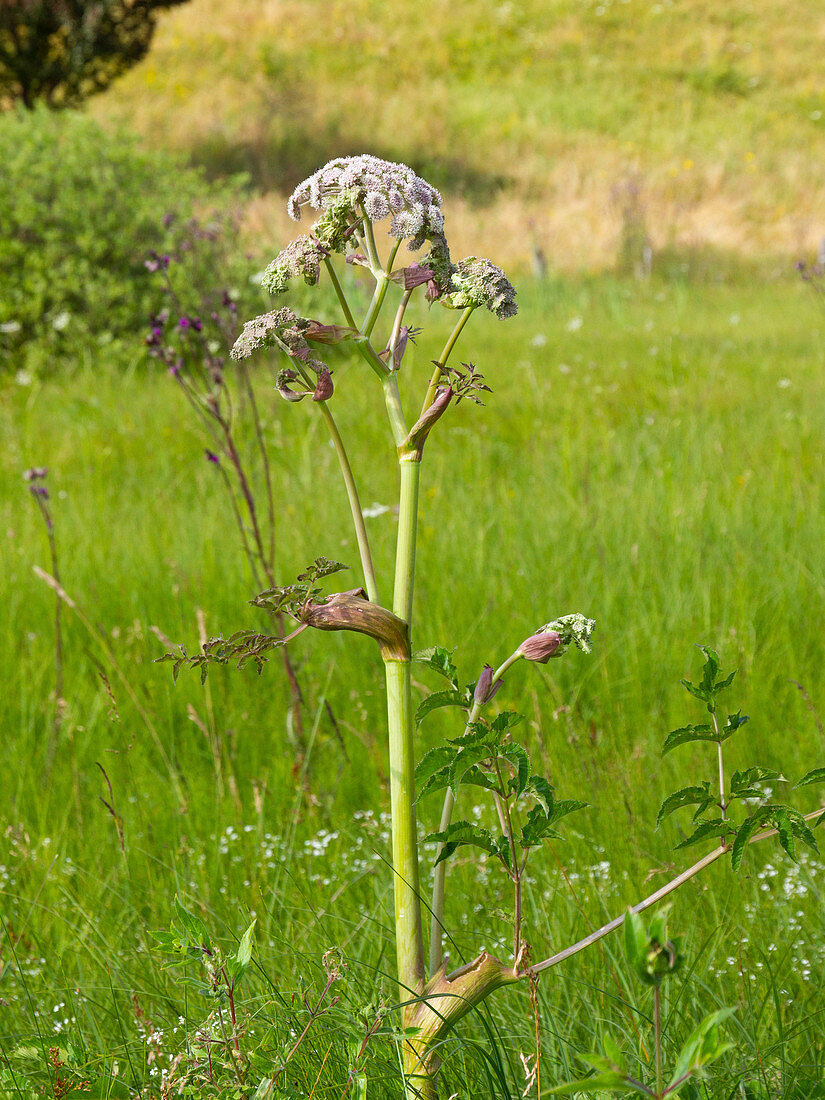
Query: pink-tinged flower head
380, 189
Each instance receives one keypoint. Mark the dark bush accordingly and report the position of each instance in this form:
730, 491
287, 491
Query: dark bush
62, 51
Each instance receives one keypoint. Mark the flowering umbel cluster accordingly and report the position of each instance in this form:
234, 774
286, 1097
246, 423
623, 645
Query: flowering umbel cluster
351, 192
381, 189
277, 328
553, 639
302, 258
480, 283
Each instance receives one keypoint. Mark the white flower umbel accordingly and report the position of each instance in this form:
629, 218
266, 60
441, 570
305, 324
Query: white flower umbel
275, 329
300, 259
378, 188
480, 282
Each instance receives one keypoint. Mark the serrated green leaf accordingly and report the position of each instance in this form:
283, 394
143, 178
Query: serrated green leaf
717, 828
741, 783
475, 777
703, 1046
475, 733
602, 1082
745, 832
816, 776
635, 940
539, 825
439, 699
430, 764
244, 952
461, 833
801, 829
517, 756
506, 720
685, 734
687, 796
193, 926
468, 757
614, 1052
539, 788
440, 660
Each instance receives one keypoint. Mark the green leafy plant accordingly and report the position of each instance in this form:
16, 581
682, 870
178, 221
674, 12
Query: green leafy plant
74, 245
713, 816
652, 957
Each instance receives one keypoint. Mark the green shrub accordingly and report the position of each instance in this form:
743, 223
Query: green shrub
81, 209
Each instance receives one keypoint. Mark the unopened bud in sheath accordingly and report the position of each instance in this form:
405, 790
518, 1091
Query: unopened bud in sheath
540, 647
484, 689
323, 391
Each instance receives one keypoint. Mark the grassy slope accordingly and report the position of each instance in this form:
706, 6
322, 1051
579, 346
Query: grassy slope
657, 465
536, 115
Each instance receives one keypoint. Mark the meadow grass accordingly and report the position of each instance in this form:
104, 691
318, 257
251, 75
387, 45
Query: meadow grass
532, 116
651, 455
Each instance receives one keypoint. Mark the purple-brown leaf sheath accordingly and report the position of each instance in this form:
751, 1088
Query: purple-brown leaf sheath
421, 429
353, 611
540, 647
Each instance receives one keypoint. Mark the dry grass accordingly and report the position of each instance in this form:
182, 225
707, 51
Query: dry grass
533, 116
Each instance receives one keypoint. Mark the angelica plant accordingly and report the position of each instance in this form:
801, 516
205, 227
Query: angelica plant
354, 199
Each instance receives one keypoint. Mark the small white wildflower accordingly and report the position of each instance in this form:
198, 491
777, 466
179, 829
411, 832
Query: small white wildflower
574, 324
9, 328
61, 321
375, 510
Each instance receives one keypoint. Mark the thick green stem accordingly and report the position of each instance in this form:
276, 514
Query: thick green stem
408, 936
355, 505
398, 423
410, 470
378, 296
408, 929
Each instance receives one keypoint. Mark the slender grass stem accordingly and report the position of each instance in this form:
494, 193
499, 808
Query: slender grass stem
130, 691
657, 1037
